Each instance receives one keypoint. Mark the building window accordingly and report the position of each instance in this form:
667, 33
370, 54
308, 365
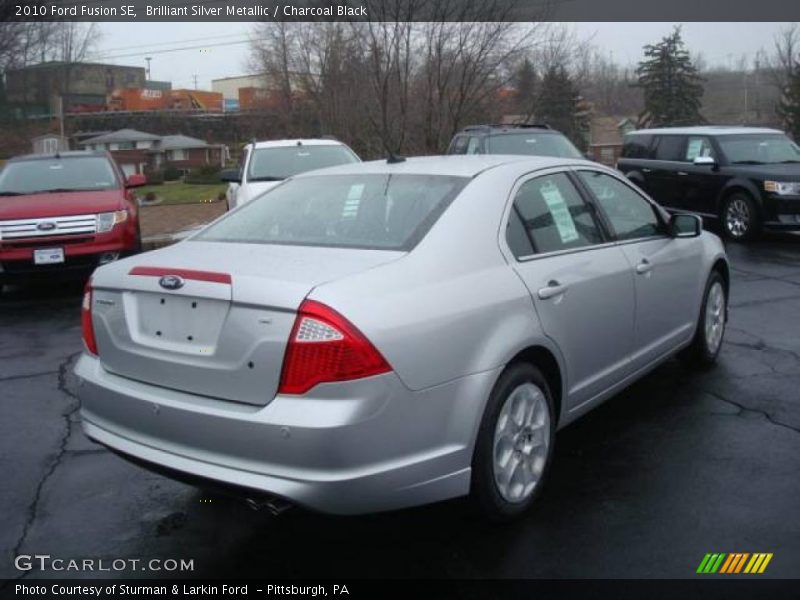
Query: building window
179, 154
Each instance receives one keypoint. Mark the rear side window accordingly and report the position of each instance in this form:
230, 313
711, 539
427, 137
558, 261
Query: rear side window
516, 237
669, 147
554, 214
374, 211
637, 146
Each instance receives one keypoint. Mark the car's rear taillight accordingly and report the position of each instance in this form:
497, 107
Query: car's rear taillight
87, 327
325, 347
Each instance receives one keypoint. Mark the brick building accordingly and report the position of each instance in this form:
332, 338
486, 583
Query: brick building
138, 151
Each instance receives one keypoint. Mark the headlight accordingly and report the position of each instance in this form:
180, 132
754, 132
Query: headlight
106, 221
783, 188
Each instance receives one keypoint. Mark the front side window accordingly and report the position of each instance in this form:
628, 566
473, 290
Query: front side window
57, 175
372, 211
534, 143
554, 214
274, 164
631, 216
759, 149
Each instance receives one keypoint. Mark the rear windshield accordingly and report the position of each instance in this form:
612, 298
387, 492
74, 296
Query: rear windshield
57, 175
271, 164
535, 143
390, 212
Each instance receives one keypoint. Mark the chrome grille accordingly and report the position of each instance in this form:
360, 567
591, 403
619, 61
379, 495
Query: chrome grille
41, 228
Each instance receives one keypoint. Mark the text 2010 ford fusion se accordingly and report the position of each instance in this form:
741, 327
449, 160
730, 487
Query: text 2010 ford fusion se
387, 334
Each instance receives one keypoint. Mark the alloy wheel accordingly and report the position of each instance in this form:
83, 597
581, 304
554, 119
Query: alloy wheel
715, 317
521, 442
738, 217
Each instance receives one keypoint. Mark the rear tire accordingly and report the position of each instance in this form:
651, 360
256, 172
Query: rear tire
707, 341
515, 444
740, 217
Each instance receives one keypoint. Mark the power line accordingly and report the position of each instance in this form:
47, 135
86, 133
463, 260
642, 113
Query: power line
181, 49
186, 41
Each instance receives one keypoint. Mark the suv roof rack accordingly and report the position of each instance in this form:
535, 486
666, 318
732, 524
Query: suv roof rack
501, 126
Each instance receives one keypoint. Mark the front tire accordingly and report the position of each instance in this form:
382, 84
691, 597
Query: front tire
707, 342
740, 217
515, 443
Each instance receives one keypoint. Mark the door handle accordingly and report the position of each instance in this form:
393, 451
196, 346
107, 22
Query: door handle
644, 267
554, 288
682, 173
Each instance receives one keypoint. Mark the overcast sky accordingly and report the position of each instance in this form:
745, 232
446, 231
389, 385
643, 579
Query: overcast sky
214, 50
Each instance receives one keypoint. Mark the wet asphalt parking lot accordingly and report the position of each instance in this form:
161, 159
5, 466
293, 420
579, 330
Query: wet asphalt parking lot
680, 464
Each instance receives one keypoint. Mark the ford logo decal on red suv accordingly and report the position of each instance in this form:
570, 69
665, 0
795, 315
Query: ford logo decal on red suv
46, 226
171, 282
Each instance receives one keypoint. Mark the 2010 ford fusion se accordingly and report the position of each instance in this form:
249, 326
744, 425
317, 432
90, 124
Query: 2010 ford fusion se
387, 334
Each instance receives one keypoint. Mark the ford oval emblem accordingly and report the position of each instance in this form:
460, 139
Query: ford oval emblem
46, 226
171, 282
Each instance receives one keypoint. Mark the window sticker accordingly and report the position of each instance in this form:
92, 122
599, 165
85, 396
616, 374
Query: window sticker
694, 148
351, 204
560, 212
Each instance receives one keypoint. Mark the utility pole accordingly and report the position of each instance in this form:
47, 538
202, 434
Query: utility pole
148, 59
194, 77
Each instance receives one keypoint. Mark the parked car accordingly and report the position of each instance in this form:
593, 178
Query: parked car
748, 178
527, 140
387, 334
265, 164
65, 214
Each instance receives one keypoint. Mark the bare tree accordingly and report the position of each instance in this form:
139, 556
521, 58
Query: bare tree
785, 55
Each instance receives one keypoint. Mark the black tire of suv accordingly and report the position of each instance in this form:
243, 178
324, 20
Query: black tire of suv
754, 228
485, 495
697, 355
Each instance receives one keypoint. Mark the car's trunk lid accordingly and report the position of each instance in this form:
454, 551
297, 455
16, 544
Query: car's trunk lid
222, 333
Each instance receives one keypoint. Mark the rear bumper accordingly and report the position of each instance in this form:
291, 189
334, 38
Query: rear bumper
364, 446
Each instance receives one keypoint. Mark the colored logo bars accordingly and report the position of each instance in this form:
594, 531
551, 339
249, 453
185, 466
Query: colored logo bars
736, 562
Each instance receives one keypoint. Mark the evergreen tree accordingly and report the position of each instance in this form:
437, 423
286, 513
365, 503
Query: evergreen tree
558, 104
525, 86
672, 87
789, 107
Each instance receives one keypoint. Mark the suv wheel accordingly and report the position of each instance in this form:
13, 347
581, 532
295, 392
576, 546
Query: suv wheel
740, 218
515, 443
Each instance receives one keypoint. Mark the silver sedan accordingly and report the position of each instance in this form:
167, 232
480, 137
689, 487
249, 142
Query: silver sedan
388, 334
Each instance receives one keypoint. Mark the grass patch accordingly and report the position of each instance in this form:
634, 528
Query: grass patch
183, 193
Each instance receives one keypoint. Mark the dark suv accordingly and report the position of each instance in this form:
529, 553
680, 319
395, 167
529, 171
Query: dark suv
534, 140
747, 177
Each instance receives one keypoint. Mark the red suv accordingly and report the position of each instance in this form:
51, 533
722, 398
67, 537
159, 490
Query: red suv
65, 214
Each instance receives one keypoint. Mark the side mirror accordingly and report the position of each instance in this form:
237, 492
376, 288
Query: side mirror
135, 180
686, 225
704, 161
231, 175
